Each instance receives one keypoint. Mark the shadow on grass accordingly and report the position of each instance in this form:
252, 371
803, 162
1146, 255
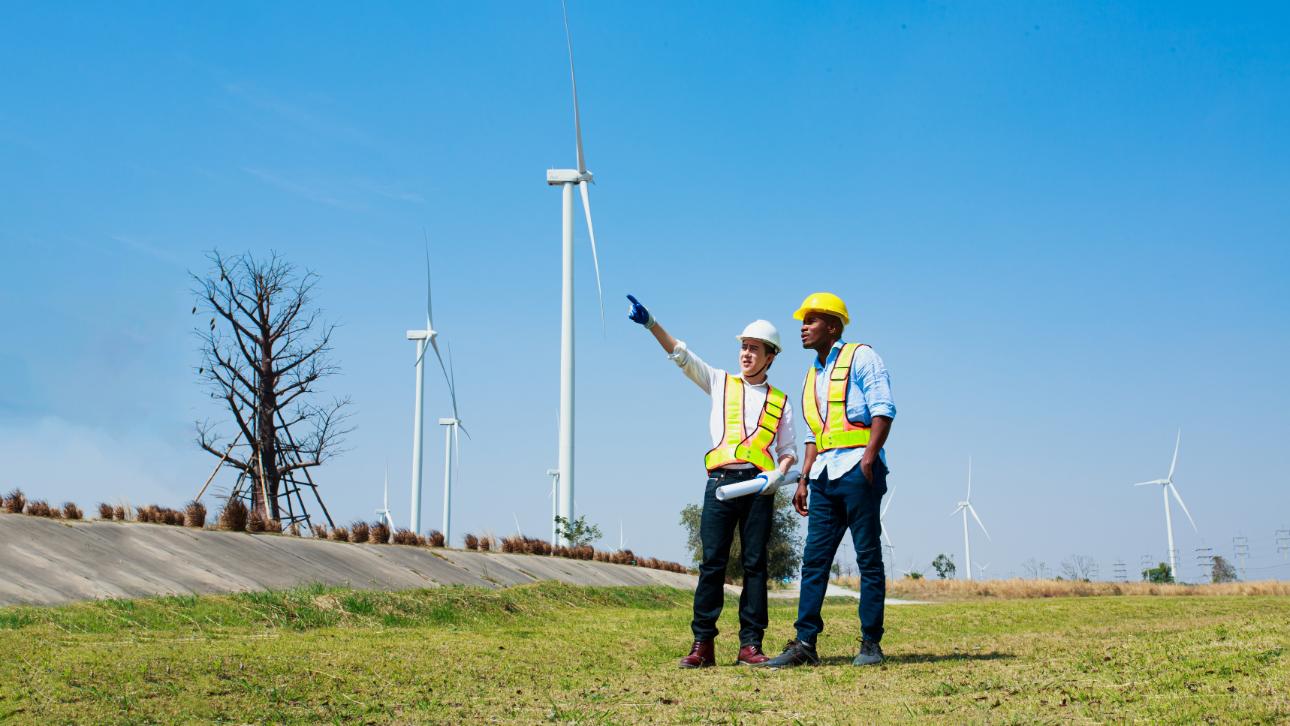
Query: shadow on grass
907, 658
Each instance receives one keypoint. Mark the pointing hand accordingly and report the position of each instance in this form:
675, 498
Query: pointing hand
638, 314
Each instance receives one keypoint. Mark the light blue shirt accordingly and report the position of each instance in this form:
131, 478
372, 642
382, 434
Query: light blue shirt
868, 395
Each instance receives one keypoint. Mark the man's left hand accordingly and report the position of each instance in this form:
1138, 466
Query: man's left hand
866, 464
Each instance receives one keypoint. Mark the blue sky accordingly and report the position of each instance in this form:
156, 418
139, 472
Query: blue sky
1063, 226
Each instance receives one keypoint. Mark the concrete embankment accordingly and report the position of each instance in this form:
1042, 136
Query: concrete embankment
45, 562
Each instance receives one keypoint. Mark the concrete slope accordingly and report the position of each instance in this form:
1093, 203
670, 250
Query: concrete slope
44, 562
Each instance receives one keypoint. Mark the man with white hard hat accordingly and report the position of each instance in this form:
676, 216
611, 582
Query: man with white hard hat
846, 400
752, 434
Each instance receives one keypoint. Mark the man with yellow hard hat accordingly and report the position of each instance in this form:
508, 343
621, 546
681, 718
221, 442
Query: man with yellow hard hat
846, 400
752, 434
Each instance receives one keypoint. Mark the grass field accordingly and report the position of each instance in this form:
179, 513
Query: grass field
553, 652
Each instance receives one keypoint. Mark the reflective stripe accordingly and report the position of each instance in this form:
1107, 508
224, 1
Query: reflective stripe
754, 448
834, 430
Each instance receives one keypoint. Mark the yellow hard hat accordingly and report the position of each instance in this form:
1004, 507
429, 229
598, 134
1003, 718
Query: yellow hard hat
823, 302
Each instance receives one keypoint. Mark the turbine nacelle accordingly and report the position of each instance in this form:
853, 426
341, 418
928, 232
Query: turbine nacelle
556, 177
426, 334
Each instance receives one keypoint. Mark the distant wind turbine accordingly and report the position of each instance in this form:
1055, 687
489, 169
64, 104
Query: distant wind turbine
384, 511
1167, 486
966, 508
424, 338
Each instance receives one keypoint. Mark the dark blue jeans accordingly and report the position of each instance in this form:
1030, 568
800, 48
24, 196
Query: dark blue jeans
848, 502
751, 517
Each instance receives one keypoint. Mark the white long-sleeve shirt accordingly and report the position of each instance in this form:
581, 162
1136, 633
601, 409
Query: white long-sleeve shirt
712, 381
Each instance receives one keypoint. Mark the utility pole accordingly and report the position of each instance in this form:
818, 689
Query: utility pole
1121, 571
1283, 542
1204, 559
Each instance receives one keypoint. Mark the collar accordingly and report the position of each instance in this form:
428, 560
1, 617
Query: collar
828, 360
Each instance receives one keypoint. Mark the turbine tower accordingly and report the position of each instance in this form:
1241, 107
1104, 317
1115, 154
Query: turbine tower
567, 179
966, 507
384, 511
453, 427
424, 338
555, 503
1167, 486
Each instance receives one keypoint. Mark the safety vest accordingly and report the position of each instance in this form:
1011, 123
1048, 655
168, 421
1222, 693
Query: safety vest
754, 448
832, 429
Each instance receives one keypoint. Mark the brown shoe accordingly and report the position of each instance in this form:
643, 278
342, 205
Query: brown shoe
701, 655
751, 655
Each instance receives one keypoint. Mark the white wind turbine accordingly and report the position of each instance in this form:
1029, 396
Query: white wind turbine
555, 503
384, 511
882, 524
567, 179
1166, 486
423, 338
451, 447
966, 507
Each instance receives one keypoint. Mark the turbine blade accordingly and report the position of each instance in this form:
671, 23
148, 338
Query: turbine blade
1173, 464
573, 78
450, 374
978, 521
969, 496
956, 511
452, 393
888, 538
1178, 497
595, 258
429, 304
1153, 481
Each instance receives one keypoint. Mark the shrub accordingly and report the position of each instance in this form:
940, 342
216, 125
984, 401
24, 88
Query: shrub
173, 517
485, 543
38, 508
535, 546
105, 510
273, 525
234, 516
378, 533
293, 530
406, 537
472, 542
14, 501
340, 534
71, 511
436, 538
255, 522
146, 513
358, 532
195, 514
320, 531
119, 512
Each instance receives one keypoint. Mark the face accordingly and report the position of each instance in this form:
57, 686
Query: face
754, 357
818, 328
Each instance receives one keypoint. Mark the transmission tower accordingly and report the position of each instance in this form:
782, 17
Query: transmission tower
1283, 542
1121, 571
1204, 561
1241, 550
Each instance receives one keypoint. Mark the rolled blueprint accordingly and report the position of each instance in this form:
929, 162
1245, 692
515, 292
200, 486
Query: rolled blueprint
765, 484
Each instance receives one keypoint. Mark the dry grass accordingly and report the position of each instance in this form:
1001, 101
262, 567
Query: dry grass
358, 531
378, 533
340, 534
1022, 589
435, 538
15, 501
120, 513
471, 541
485, 543
40, 508
195, 514
71, 511
406, 537
234, 516
105, 510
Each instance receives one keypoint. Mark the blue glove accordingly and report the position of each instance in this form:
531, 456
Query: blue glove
638, 314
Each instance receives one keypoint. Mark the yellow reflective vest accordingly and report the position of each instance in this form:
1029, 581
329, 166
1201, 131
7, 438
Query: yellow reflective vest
832, 429
738, 447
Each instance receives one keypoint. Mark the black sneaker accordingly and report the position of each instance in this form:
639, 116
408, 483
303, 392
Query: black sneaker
870, 654
796, 653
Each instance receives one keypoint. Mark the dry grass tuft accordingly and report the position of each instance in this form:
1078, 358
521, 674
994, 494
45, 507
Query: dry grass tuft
1024, 589
358, 531
15, 501
485, 543
39, 508
195, 514
105, 510
472, 542
320, 531
340, 534
71, 511
120, 513
435, 538
406, 537
293, 530
255, 523
378, 533
147, 513
234, 517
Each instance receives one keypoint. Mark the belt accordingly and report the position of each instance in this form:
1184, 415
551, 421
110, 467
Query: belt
736, 474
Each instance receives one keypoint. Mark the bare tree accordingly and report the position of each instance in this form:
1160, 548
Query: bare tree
1078, 567
265, 352
1033, 568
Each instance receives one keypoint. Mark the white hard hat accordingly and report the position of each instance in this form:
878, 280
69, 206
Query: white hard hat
764, 331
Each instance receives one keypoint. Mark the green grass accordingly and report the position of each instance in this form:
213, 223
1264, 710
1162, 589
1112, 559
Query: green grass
554, 652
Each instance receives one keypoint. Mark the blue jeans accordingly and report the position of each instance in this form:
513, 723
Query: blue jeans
848, 502
751, 517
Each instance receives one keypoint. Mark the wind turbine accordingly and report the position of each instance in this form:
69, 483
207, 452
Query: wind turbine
423, 338
567, 179
882, 524
983, 568
555, 503
384, 511
966, 507
451, 446
1166, 486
